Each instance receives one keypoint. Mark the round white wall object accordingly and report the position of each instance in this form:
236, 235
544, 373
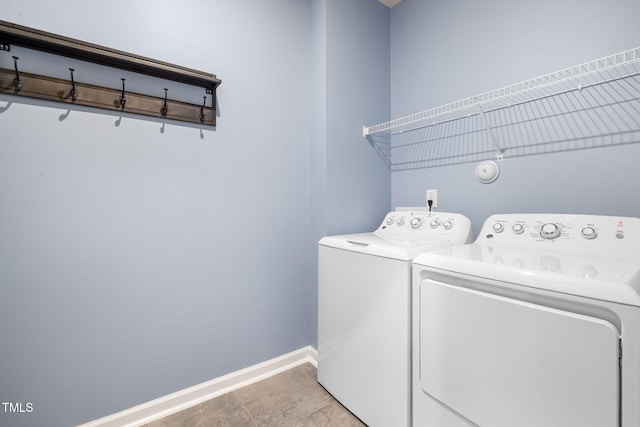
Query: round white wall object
487, 171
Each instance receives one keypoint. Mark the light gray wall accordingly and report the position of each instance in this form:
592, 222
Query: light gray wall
357, 94
134, 262
350, 184
318, 158
139, 258
445, 51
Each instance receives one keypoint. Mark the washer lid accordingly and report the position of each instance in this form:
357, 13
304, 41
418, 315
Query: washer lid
401, 248
597, 276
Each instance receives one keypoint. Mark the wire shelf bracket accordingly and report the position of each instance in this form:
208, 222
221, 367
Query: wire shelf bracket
500, 153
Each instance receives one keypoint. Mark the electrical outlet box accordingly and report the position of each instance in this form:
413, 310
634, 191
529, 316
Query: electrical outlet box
432, 195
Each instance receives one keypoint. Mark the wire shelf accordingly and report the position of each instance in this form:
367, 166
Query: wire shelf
589, 105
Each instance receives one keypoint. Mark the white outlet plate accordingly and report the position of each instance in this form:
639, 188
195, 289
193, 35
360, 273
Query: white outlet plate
432, 195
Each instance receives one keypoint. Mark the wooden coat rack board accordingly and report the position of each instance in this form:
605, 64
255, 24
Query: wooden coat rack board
17, 82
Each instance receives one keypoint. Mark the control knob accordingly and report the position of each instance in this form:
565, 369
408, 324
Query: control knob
447, 225
390, 220
498, 227
416, 222
589, 233
434, 223
400, 221
518, 228
549, 231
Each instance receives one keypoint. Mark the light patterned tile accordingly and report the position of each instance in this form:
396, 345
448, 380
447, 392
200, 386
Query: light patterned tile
285, 399
332, 415
310, 370
223, 411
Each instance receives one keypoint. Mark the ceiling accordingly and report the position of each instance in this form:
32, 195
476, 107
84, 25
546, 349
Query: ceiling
389, 3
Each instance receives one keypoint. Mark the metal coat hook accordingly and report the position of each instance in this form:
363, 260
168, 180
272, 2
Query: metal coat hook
123, 98
202, 109
165, 107
74, 92
17, 82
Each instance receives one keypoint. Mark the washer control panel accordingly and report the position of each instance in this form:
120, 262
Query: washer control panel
560, 229
422, 224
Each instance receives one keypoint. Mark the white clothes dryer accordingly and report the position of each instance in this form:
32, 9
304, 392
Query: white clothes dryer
364, 306
537, 323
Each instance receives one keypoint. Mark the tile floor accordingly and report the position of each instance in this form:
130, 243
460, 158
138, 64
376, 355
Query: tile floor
292, 398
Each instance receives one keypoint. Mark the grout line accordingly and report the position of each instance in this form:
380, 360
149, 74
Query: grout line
245, 408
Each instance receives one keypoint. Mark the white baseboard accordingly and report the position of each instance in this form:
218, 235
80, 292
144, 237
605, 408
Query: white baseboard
183, 399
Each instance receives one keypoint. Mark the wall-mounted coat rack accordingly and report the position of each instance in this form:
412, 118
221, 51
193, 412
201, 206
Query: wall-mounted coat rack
21, 83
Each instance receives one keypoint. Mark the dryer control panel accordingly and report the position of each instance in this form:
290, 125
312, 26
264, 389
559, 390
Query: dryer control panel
590, 256
575, 232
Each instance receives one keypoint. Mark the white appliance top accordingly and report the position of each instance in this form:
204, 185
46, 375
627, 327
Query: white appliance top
404, 235
586, 255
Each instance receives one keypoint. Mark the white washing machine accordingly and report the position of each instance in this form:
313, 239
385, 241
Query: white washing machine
364, 311
537, 323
